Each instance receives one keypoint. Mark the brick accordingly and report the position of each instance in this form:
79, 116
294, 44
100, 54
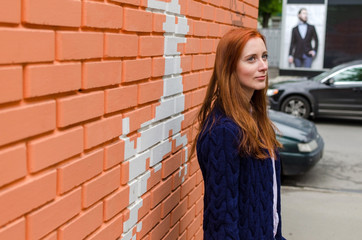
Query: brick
178, 212
199, 177
207, 45
138, 69
179, 177
100, 74
151, 46
200, 28
10, 11
111, 230
121, 45
51, 236
11, 82
120, 98
116, 202
205, 77
19, 199
131, 2
59, 211
101, 186
187, 219
157, 22
146, 206
213, 29
194, 166
199, 235
101, 131
190, 81
186, 63
208, 12
194, 227
194, 195
252, 2
52, 12
79, 108
198, 62
198, 97
194, 9
173, 233
193, 45
12, 164
219, 14
48, 79
171, 164
170, 202
251, 11
217, 3
210, 60
78, 171
150, 91
83, 225
154, 179
189, 118
101, 15
53, 149
113, 154
150, 221
78, 45
158, 66
137, 20
160, 192
199, 205
161, 229
137, 117
15, 230
188, 186
20, 46
39, 117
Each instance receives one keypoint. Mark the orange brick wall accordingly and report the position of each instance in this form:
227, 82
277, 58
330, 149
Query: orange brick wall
97, 101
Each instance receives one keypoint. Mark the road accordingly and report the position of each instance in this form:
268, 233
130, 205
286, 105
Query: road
326, 202
341, 166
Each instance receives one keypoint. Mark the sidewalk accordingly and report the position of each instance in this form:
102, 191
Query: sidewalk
312, 214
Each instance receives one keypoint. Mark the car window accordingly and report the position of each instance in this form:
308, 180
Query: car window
349, 75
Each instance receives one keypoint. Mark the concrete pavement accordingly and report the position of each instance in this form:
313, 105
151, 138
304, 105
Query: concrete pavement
313, 214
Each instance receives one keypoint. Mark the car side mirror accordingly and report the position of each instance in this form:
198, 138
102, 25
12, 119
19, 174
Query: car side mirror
329, 82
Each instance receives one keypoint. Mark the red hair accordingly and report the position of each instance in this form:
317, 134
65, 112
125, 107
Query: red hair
224, 90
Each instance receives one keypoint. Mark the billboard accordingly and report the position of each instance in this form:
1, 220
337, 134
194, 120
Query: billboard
303, 35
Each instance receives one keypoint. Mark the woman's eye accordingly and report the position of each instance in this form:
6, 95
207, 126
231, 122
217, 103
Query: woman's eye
251, 59
265, 56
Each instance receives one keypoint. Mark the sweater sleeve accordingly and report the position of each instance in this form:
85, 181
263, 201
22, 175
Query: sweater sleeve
220, 163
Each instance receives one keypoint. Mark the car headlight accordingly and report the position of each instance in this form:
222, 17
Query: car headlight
272, 92
308, 147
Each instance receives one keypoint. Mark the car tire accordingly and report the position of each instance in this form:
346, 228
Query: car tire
297, 106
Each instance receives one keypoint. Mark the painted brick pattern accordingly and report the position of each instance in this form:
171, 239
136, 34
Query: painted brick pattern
97, 103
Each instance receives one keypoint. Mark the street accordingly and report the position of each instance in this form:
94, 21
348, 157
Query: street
341, 166
326, 202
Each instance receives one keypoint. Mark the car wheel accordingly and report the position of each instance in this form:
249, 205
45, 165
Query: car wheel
296, 106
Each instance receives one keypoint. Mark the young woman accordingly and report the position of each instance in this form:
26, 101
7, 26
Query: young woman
236, 144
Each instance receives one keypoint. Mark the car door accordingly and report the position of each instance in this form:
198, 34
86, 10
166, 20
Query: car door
341, 93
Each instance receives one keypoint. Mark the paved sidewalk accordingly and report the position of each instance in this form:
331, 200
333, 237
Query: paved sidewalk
312, 214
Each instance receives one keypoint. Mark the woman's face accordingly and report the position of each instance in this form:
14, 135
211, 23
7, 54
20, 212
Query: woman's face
252, 66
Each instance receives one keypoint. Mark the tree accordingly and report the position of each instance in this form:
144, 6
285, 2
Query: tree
267, 8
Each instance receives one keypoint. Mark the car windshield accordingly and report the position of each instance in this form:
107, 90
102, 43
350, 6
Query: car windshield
321, 76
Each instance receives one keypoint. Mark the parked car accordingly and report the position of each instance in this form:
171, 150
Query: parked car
302, 145
334, 93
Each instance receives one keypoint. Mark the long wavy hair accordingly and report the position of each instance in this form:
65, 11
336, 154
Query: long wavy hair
225, 91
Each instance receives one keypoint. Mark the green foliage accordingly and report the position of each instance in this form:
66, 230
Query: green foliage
268, 8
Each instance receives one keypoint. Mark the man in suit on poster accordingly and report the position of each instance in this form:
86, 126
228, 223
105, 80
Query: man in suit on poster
301, 52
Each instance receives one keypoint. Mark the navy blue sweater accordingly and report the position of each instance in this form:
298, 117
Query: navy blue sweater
238, 200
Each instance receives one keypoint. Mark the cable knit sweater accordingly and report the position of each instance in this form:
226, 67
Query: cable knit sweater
238, 200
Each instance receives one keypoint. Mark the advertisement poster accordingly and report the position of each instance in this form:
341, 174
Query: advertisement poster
303, 36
